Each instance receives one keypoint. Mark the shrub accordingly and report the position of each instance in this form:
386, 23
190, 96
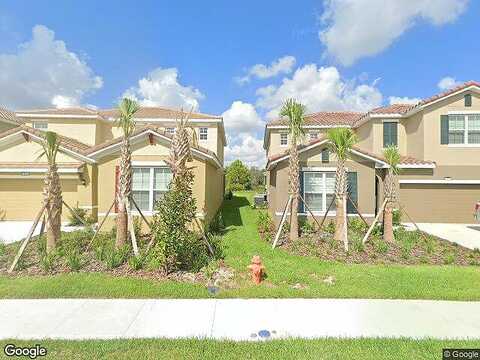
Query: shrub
330, 227
216, 225
210, 269
265, 226
42, 245
177, 247
47, 261
137, 226
82, 214
357, 225
306, 227
358, 245
397, 217
136, 262
3, 249
114, 258
74, 241
74, 261
449, 258
429, 245
381, 246
216, 243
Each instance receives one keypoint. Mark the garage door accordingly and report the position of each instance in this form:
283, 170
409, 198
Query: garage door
440, 203
21, 199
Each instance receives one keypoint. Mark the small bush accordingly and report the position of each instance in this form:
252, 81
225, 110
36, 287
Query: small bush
358, 245
330, 227
381, 246
429, 245
397, 217
74, 261
3, 249
82, 214
265, 226
114, 258
449, 258
136, 262
306, 227
357, 225
216, 225
47, 261
216, 242
42, 245
210, 270
137, 226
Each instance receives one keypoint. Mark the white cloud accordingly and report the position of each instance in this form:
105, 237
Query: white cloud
248, 149
242, 118
320, 89
360, 28
447, 83
403, 100
43, 72
161, 88
283, 65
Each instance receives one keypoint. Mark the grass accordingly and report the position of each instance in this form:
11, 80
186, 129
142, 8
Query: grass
321, 349
283, 271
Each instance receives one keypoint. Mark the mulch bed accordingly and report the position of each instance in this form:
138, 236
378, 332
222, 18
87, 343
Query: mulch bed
433, 251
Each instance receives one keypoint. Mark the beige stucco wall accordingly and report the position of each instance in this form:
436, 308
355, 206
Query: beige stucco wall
278, 180
214, 190
447, 154
83, 130
22, 151
274, 141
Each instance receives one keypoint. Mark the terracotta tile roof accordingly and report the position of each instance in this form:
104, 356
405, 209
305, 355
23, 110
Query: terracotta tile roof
393, 109
140, 130
405, 160
325, 118
67, 142
450, 91
8, 115
157, 112
60, 111
36, 165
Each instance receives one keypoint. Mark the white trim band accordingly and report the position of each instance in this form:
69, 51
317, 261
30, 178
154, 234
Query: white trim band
321, 213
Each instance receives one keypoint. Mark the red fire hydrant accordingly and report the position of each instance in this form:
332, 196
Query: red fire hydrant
257, 268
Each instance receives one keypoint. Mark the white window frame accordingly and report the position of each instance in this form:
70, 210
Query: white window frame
203, 131
151, 187
324, 191
170, 130
466, 116
313, 135
282, 135
36, 123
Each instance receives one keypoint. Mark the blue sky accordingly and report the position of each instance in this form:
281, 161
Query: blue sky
334, 55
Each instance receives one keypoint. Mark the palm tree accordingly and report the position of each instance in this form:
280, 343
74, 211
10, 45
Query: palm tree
341, 141
295, 112
392, 156
52, 191
180, 150
127, 109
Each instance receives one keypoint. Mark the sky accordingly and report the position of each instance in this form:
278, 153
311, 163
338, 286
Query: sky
240, 60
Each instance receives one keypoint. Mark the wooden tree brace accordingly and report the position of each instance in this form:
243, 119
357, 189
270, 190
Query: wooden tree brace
141, 213
365, 238
356, 209
101, 224
131, 228
284, 216
74, 213
326, 212
311, 213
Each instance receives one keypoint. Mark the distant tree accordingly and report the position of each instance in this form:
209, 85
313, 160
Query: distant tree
238, 176
257, 176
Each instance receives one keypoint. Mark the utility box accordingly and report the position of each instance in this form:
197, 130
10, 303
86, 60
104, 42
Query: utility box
260, 200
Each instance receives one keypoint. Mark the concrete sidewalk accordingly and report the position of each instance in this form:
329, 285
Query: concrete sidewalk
237, 319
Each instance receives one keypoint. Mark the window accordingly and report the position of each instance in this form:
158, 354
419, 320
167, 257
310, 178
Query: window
203, 133
319, 189
313, 136
468, 100
464, 129
40, 125
149, 185
170, 130
283, 139
390, 132
325, 155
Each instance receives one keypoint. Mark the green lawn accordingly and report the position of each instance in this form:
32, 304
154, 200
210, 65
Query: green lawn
283, 269
366, 349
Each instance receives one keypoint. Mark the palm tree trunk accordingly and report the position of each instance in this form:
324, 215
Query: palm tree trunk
123, 193
341, 196
53, 196
294, 190
388, 212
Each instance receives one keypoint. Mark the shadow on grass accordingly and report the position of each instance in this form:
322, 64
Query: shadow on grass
231, 210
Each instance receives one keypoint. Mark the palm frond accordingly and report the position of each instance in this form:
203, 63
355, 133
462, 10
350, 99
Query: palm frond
341, 141
50, 147
295, 112
127, 109
392, 156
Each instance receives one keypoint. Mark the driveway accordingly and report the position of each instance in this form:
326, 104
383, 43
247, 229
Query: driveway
467, 235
